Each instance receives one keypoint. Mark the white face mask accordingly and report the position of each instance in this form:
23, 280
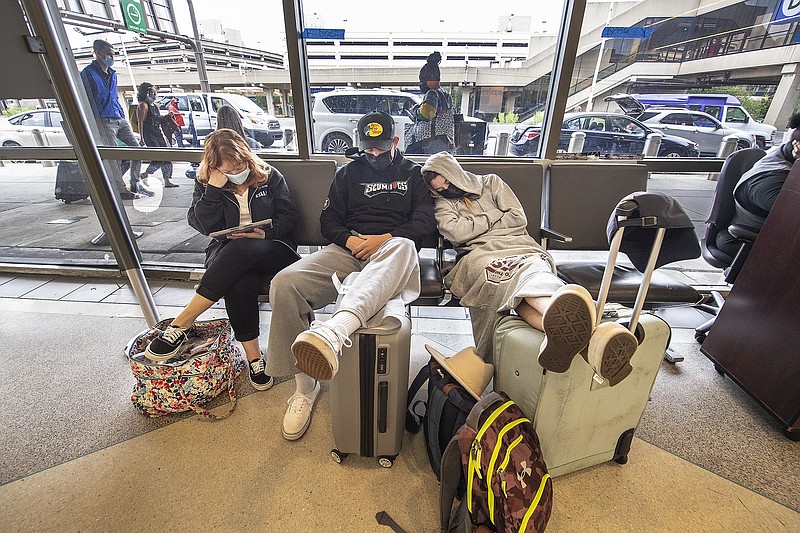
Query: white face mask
241, 177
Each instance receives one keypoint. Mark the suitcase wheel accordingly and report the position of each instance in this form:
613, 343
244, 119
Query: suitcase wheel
338, 456
386, 461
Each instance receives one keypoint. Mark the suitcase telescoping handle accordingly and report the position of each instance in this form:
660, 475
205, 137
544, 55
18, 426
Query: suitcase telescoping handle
605, 285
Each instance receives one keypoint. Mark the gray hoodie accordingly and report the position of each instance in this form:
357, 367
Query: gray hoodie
491, 210
504, 263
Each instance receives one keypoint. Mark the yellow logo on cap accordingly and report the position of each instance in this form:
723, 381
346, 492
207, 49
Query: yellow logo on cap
373, 129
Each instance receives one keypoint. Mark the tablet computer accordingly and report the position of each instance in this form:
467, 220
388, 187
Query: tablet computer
246, 228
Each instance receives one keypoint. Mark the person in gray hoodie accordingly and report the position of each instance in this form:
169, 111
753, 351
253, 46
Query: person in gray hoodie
500, 268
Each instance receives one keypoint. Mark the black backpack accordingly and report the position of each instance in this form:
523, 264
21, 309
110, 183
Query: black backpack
444, 409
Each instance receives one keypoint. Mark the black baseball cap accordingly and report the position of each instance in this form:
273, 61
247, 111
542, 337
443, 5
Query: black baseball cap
646, 212
376, 130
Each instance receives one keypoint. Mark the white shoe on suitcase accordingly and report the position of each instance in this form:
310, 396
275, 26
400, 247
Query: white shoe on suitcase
610, 352
298, 415
317, 350
568, 324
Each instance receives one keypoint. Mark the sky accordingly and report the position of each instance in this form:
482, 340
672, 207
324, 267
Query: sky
261, 21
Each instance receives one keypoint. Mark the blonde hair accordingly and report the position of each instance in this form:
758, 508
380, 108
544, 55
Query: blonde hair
227, 145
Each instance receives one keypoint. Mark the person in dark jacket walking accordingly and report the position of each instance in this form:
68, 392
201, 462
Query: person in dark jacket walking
377, 214
149, 118
434, 126
235, 187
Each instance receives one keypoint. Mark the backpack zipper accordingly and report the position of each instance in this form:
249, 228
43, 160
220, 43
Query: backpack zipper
502, 469
474, 465
508, 427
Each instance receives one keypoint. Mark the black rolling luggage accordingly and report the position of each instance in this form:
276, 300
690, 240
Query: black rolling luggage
70, 185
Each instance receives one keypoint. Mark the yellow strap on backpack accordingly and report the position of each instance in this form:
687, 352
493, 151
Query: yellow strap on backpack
474, 465
534, 503
493, 461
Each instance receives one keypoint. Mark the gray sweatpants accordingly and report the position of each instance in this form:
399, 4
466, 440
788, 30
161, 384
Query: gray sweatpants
118, 128
306, 285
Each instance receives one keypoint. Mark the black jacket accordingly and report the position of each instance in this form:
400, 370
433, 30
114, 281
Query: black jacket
214, 209
371, 202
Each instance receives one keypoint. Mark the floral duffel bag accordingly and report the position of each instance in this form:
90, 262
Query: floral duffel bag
207, 365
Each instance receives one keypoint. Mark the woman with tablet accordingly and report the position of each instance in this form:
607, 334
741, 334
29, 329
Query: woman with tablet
235, 188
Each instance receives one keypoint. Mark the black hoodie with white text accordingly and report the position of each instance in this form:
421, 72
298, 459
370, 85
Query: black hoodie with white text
372, 202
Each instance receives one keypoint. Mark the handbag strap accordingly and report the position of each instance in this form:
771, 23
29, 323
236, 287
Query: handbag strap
231, 397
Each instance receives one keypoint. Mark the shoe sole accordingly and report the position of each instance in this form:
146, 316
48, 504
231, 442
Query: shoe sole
568, 324
615, 356
161, 358
263, 386
310, 360
299, 434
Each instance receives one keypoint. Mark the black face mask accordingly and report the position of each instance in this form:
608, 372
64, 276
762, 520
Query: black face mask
379, 162
452, 192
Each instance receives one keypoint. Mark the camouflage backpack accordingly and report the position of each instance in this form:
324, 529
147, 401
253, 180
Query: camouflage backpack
497, 453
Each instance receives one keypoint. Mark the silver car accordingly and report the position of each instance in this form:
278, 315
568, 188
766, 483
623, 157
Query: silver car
697, 126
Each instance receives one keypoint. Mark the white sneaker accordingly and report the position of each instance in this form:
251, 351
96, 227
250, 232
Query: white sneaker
568, 324
317, 350
610, 352
298, 415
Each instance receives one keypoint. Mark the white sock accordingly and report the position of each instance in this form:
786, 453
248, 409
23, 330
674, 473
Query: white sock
346, 319
304, 384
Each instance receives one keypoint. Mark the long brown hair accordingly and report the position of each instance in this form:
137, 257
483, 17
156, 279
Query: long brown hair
227, 145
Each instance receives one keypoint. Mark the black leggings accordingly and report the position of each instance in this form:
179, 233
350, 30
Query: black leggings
238, 273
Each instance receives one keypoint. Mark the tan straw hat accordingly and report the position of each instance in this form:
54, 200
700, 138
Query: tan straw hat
467, 367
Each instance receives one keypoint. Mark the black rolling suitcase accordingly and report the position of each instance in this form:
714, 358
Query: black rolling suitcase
368, 394
70, 185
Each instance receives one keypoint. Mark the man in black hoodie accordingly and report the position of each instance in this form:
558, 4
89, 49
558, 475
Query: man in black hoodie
377, 214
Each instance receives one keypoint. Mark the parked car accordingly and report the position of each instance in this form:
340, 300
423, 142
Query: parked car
702, 128
606, 133
725, 108
17, 130
336, 113
257, 123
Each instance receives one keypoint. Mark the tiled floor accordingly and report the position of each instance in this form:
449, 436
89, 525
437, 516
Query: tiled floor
77, 457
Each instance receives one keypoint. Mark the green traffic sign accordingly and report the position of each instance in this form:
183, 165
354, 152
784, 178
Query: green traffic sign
134, 16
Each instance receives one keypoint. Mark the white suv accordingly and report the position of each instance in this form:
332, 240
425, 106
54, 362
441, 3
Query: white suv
335, 114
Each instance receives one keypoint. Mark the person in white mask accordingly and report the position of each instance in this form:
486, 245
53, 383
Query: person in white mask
234, 187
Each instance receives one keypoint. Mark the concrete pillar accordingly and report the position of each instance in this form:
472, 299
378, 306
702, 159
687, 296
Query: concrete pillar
466, 92
786, 97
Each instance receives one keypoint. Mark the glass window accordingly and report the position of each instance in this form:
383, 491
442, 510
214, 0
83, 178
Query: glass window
483, 47
735, 114
197, 103
573, 124
37, 118
714, 110
55, 119
244, 53
704, 121
596, 124
626, 125
647, 115
677, 119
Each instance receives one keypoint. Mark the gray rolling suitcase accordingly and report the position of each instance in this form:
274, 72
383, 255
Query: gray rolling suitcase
581, 421
368, 394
